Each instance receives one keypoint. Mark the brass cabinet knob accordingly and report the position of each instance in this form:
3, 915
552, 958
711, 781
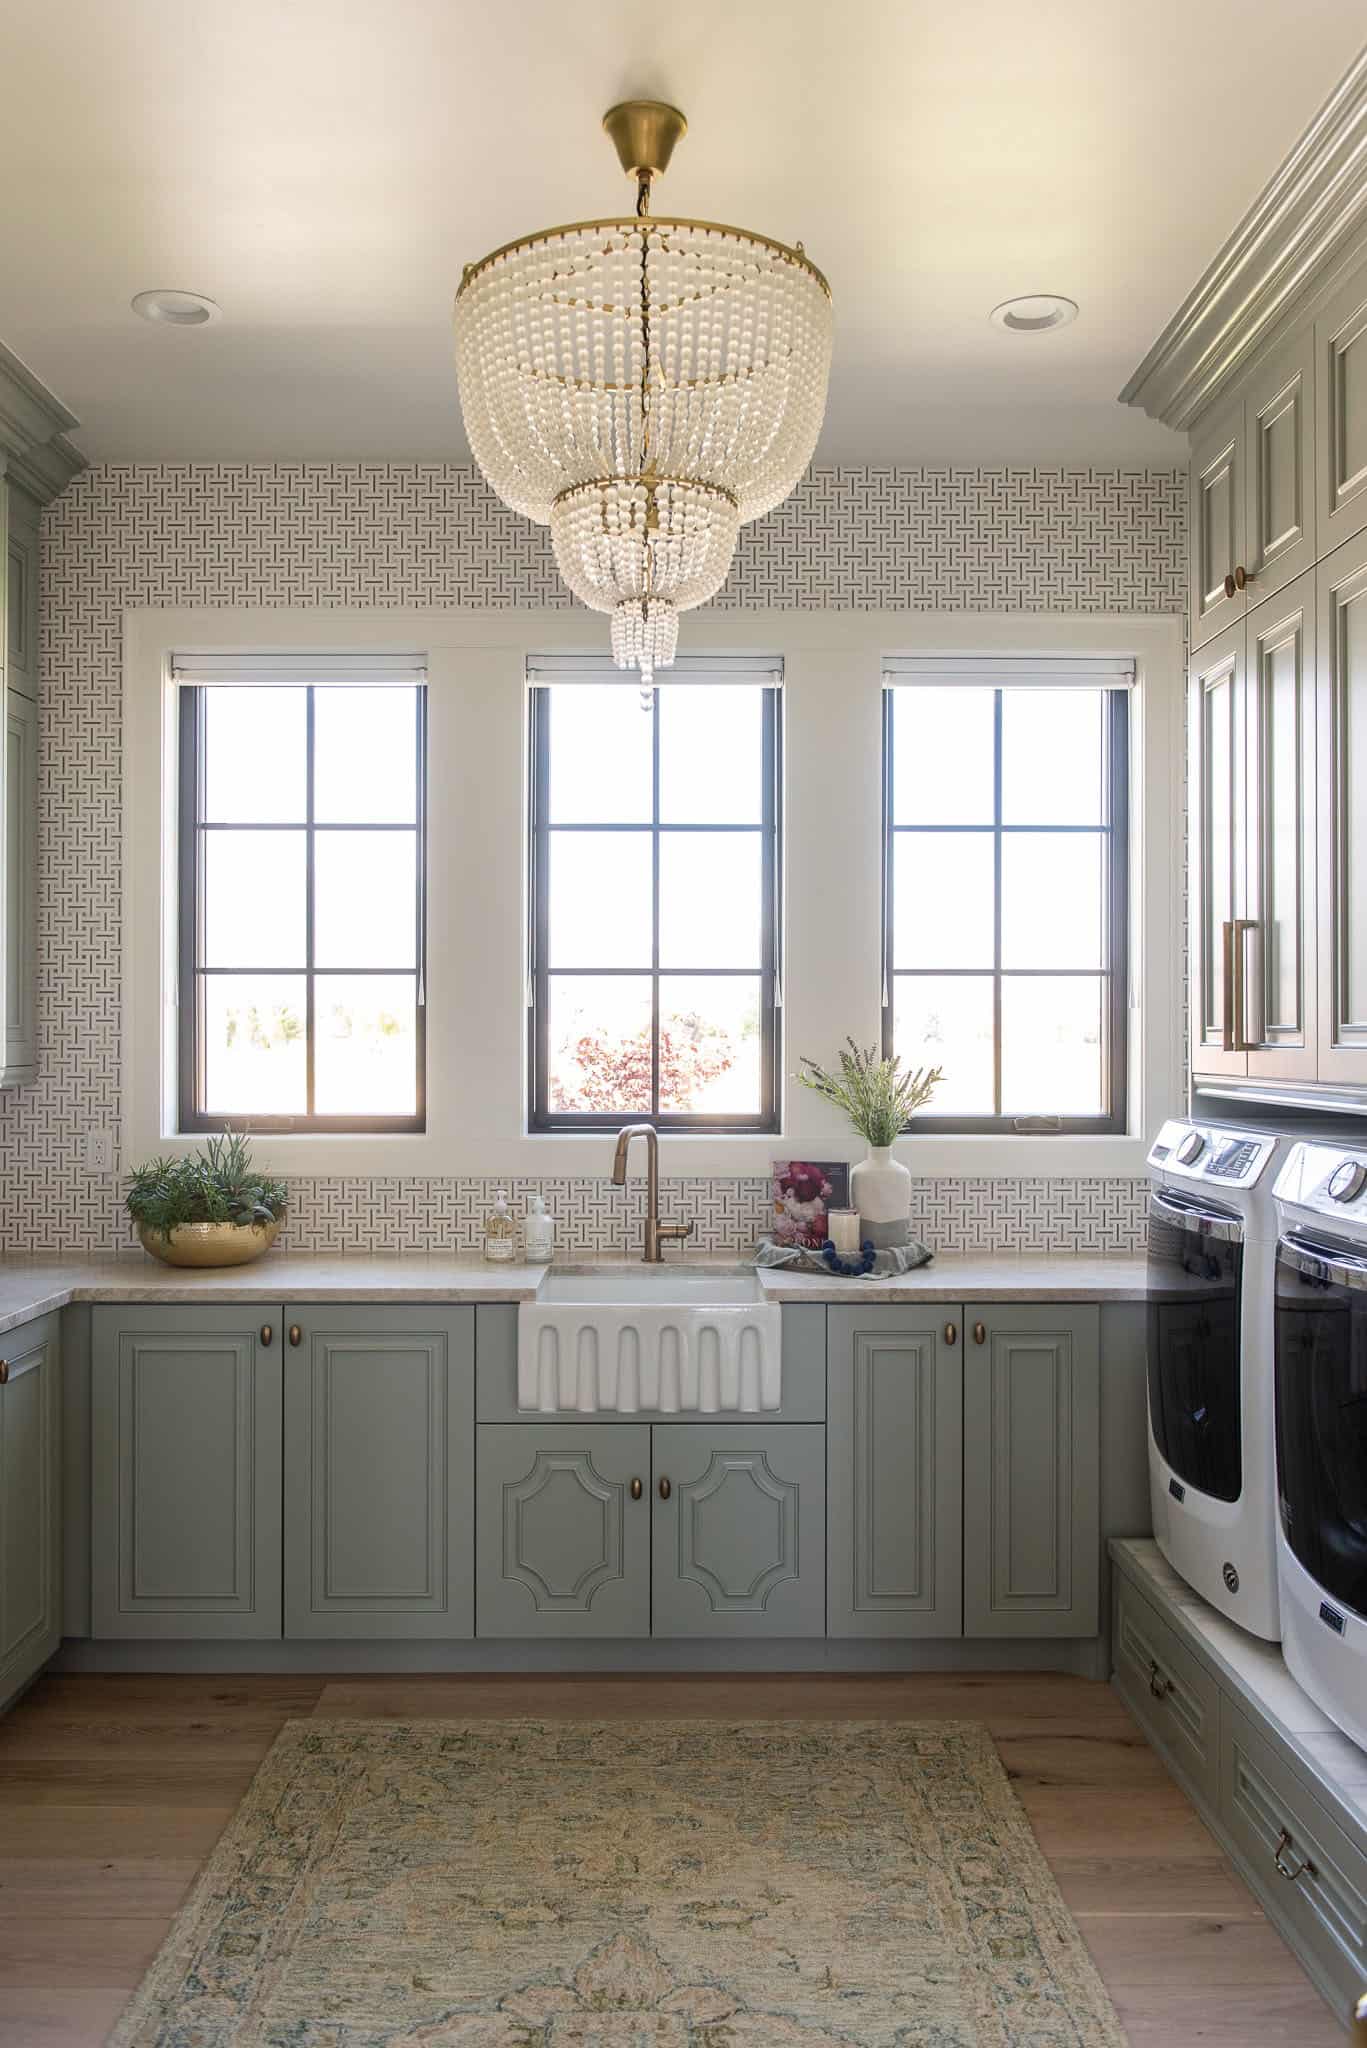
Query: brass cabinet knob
951, 1333
1230, 586
1241, 577
296, 1335
267, 1333
980, 1333
1159, 1686
4, 1372
636, 1489
665, 1489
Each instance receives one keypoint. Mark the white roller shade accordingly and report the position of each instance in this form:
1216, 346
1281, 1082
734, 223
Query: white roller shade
762, 670
299, 668
1010, 671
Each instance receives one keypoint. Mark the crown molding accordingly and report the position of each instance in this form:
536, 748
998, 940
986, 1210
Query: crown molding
1293, 231
33, 432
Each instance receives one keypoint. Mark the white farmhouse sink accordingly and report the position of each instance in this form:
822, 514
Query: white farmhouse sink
648, 1340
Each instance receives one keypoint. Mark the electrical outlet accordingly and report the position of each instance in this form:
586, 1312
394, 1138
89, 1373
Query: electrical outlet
99, 1151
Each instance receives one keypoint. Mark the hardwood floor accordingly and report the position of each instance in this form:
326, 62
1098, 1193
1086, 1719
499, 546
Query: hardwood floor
112, 1790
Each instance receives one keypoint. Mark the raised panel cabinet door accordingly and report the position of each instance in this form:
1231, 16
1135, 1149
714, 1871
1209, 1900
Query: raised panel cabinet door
21, 593
1217, 829
21, 889
185, 1472
30, 1502
1341, 664
1341, 414
739, 1539
379, 1472
1216, 533
562, 1531
1279, 425
894, 1472
1277, 953
1032, 1448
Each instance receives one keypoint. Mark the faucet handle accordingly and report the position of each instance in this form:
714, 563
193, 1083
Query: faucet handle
677, 1230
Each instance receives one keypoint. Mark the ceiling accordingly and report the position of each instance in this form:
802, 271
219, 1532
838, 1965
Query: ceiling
323, 168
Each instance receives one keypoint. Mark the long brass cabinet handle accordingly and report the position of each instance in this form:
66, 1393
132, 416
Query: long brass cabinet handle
980, 1333
1227, 951
951, 1333
1291, 1866
665, 1489
296, 1335
1242, 927
267, 1333
636, 1489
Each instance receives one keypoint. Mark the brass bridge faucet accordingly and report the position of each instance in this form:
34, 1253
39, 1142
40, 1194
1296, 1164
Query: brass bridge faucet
656, 1232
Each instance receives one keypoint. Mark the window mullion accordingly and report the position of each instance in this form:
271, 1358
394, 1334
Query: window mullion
310, 1008
655, 904
996, 903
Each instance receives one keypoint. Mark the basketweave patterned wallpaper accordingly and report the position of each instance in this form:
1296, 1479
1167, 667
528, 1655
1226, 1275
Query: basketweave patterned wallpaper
432, 535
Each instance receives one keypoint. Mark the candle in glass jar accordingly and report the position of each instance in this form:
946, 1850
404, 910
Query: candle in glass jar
843, 1225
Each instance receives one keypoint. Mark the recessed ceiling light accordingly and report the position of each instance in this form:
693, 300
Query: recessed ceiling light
1035, 314
177, 309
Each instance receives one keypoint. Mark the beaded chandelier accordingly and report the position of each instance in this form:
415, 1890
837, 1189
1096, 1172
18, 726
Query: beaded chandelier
643, 387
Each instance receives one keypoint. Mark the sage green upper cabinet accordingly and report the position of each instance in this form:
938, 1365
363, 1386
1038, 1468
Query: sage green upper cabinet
1341, 413
1279, 440
894, 1435
1217, 514
379, 1472
1032, 1527
1217, 818
21, 593
1277, 950
185, 1472
739, 1538
562, 1529
1342, 592
30, 1502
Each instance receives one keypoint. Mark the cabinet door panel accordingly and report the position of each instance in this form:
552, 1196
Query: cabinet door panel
1031, 1473
1217, 522
379, 1472
739, 1538
21, 889
21, 597
1341, 414
30, 1505
1278, 958
894, 1441
1280, 427
185, 1472
562, 1548
1342, 809
1218, 834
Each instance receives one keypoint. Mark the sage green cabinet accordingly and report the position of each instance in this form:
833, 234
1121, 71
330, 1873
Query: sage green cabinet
738, 1543
894, 1436
30, 1501
1032, 1531
185, 1472
562, 1529
379, 1472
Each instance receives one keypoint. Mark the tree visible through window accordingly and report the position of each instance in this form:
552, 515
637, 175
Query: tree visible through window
654, 905
301, 877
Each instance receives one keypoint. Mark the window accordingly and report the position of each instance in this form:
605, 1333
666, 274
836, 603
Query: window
1005, 889
654, 899
301, 894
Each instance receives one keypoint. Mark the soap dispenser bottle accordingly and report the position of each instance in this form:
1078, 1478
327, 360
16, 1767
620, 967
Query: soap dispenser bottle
500, 1232
538, 1232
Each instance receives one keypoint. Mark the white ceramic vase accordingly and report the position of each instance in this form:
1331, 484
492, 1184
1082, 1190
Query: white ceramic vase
880, 1188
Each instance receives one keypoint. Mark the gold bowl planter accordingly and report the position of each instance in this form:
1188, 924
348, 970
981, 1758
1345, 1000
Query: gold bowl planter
209, 1244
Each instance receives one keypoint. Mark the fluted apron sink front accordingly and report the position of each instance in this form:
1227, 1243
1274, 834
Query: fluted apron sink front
649, 1340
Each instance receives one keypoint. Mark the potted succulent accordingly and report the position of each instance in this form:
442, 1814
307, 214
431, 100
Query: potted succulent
878, 1098
212, 1209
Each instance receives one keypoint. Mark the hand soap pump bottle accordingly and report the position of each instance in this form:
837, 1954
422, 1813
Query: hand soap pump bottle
500, 1232
538, 1232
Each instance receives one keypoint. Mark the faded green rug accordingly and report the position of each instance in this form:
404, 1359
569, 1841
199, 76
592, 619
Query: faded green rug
667, 1884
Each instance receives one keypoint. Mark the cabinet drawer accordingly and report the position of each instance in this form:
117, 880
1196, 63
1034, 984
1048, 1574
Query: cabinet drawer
1312, 1878
1171, 1693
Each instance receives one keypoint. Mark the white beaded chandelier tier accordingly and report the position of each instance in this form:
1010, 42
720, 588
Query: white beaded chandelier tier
643, 387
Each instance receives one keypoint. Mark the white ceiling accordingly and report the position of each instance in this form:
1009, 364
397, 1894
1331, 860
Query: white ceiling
323, 168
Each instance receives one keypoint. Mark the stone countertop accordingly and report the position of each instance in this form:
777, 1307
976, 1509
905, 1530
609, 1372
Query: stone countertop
31, 1287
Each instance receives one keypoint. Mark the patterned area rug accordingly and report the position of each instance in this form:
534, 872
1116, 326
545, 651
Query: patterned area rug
676, 1884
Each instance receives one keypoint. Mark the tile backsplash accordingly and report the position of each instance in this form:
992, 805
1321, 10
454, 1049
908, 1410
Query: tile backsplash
427, 535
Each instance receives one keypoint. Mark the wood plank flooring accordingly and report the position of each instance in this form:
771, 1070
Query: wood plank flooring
113, 1789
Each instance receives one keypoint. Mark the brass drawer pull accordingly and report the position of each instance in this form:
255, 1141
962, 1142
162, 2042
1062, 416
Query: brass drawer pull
4, 1372
951, 1333
1293, 1866
665, 1489
267, 1333
1159, 1685
980, 1333
636, 1489
296, 1335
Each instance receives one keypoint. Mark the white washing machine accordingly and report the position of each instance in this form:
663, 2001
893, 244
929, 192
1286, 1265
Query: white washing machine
1212, 1251
1321, 1376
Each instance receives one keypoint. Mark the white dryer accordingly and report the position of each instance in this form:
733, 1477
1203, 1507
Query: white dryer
1321, 1376
1212, 1250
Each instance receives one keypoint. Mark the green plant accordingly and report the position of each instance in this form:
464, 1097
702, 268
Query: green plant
874, 1094
217, 1185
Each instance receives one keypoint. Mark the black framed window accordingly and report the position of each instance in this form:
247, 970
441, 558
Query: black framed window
654, 979
1006, 915
302, 903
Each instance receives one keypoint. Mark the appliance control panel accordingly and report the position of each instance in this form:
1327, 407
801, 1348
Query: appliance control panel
1326, 1180
1211, 1152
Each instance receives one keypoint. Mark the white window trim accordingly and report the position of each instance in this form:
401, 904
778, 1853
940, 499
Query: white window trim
476, 982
